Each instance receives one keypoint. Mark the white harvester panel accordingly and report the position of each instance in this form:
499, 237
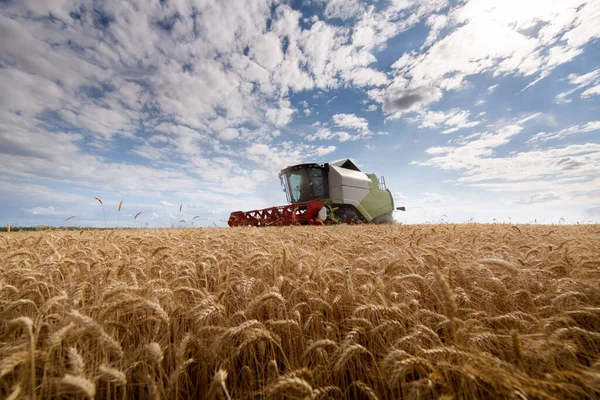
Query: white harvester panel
348, 185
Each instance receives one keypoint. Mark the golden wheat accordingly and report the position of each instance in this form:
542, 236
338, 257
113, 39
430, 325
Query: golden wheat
379, 312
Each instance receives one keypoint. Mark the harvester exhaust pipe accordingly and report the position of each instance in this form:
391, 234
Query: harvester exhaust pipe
401, 208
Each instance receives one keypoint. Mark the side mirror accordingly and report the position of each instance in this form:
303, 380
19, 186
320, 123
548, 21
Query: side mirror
401, 208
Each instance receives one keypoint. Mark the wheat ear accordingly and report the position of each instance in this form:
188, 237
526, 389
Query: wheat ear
83, 385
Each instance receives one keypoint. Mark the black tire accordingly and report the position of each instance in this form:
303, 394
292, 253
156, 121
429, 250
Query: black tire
348, 215
384, 219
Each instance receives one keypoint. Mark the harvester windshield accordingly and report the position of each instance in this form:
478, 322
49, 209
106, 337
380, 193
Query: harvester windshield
305, 182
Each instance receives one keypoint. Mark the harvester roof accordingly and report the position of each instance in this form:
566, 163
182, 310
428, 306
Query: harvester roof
345, 163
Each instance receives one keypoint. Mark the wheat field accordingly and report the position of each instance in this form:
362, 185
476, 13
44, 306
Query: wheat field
355, 312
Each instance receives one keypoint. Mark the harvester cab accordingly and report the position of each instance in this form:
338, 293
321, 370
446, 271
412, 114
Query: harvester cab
327, 193
305, 182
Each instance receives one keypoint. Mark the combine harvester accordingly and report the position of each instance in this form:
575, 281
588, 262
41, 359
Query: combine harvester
321, 194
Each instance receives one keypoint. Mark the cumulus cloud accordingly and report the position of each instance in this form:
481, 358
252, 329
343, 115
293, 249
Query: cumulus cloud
366, 77
399, 101
571, 170
327, 134
196, 97
477, 25
343, 9
229, 134
437, 22
351, 122
280, 116
266, 50
275, 157
210, 70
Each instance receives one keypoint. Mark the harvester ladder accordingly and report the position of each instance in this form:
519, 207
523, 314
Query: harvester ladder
382, 185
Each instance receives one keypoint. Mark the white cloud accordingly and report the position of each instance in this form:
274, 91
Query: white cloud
165, 203
398, 196
450, 130
323, 151
591, 126
432, 198
280, 116
216, 69
343, 9
10, 190
351, 121
453, 119
591, 91
538, 198
546, 170
198, 89
438, 150
437, 22
584, 79
274, 158
491, 89
326, 134
43, 211
398, 101
365, 77
489, 36
580, 82
266, 50
229, 134
348, 121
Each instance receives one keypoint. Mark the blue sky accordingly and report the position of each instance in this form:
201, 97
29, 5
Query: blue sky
472, 110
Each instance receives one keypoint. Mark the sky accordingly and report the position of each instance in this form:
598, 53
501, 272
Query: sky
186, 110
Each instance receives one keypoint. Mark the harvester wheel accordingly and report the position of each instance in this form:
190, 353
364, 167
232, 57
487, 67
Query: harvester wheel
384, 219
347, 215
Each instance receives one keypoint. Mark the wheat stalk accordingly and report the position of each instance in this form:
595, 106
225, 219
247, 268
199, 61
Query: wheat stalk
365, 389
112, 375
346, 354
98, 333
81, 384
17, 392
119, 213
103, 213
218, 386
287, 384
277, 310
449, 300
174, 378
153, 352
